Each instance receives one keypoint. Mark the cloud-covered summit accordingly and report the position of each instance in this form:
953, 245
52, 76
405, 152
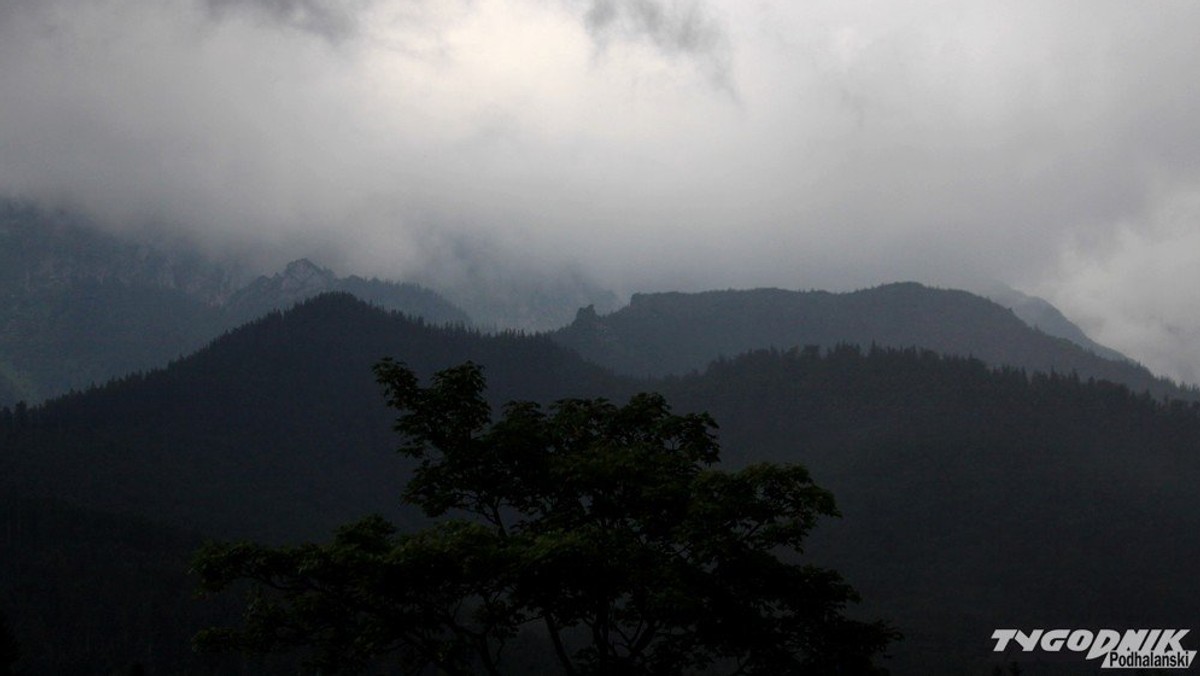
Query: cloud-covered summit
1051, 146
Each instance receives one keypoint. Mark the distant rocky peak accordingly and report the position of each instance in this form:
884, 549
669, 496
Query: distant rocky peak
304, 277
303, 267
586, 314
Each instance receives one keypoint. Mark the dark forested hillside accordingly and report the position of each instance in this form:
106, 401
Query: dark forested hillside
275, 430
92, 593
659, 334
972, 498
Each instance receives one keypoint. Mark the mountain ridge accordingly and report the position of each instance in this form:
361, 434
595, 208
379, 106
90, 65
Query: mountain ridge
79, 306
674, 333
302, 279
1040, 314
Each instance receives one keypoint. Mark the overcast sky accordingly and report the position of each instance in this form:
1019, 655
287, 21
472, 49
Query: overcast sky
652, 144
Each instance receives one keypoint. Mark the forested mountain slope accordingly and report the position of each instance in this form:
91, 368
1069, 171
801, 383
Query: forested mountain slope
274, 430
664, 333
972, 498
87, 592
975, 499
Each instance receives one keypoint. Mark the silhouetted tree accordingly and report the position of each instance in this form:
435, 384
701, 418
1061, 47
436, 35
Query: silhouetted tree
606, 526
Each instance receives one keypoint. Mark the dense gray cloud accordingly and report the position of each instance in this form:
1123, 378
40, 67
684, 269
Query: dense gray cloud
685, 27
649, 144
332, 19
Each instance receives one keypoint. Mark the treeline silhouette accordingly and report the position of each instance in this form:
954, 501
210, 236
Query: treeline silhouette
975, 498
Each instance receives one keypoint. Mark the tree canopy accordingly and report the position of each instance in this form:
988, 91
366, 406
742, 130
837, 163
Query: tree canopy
605, 536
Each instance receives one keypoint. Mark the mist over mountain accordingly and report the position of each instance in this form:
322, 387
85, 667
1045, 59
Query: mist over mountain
1040, 314
302, 279
665, 333
79, 307
46, 250
84, 306
498, 296
650, 145
216, 215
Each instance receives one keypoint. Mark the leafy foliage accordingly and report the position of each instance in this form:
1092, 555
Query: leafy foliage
608, 526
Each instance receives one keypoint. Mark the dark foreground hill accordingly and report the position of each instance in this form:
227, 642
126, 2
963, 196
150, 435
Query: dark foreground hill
975, 499
275, 430
86, 592
972, 499
665, 333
